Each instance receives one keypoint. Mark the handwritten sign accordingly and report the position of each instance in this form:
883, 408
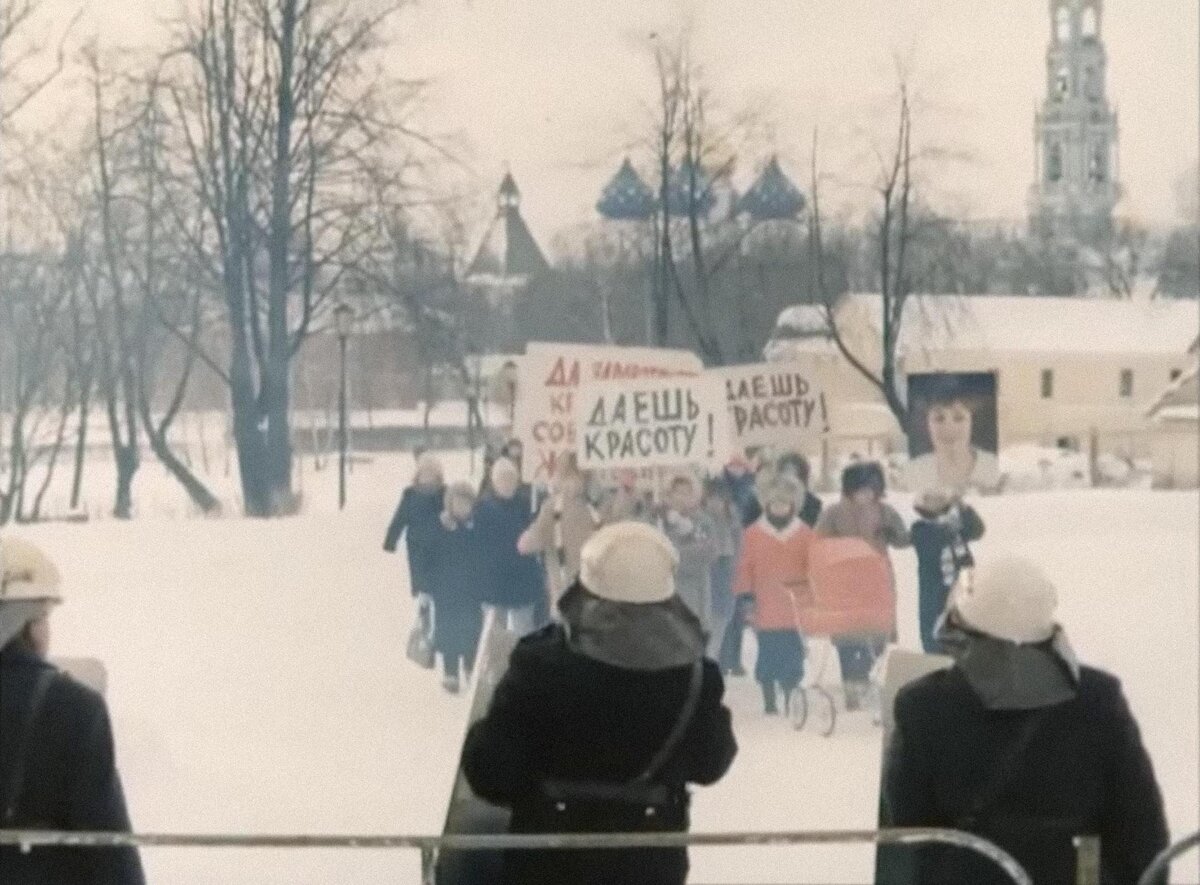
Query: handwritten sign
652, 423
773, 403
549, 377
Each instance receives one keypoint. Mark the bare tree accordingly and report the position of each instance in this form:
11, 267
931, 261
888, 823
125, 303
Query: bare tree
279, 108
31, 344
894, 230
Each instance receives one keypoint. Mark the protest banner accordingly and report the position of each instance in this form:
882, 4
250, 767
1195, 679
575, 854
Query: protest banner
652, 423
774, 403
550, 374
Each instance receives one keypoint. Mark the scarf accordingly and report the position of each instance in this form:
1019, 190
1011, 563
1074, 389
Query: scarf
1011, 675
634, 636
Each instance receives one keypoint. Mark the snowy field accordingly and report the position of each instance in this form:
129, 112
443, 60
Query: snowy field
258, 682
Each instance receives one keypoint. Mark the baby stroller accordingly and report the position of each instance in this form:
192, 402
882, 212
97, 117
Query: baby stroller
850, 597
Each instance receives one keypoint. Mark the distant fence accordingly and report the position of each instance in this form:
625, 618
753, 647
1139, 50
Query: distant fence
430, 846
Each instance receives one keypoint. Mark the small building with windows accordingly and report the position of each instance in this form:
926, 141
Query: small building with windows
1069, 369
1176, 441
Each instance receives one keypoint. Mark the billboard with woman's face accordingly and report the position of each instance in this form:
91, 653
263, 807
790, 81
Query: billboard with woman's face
953, 434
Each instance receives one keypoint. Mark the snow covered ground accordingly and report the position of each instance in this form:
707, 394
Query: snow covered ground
258, 683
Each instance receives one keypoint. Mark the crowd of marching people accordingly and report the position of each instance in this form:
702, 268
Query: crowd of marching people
744, 541
633, 606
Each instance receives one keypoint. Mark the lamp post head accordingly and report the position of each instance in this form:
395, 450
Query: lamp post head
343, 317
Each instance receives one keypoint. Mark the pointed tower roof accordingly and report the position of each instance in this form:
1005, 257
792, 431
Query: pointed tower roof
626, 197
772, 197
509, 253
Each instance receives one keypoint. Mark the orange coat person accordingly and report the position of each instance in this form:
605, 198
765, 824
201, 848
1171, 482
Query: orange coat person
772, 577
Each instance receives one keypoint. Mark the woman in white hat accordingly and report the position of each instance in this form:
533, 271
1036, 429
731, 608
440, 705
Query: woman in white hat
603, 719
1019, 744
57, 770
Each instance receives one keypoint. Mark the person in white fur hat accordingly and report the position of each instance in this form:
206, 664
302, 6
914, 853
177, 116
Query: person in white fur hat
1018, 743
602, 720
57, 768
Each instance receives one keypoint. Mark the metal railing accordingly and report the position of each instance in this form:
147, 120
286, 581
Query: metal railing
1163, 861
430, 846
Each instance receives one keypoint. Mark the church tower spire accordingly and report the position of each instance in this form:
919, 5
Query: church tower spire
1075, 133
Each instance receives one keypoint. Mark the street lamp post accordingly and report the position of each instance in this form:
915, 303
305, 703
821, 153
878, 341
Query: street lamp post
474, 368
343, 315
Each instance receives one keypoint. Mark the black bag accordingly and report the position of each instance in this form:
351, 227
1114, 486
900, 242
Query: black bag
639, 801
1002, 774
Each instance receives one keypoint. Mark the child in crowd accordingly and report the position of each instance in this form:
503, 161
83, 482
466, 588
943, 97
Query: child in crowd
690, 530
772, 577
515, 583
940, 538
563, 524
862, 513
727, 537
459, 584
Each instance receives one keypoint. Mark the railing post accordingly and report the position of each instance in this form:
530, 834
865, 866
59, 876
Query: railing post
1087, 860
428, 865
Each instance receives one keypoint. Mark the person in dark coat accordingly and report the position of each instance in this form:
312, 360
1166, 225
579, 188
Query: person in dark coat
417, 517
940, 537
1019, 744
589, 705
459, 581
57, 764
514, 583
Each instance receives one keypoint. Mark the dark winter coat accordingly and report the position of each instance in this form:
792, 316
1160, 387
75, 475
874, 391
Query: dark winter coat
560, 715
741, 489
1085, 771
935, 542
512, 580
459, 576
70, 782
417, 517
810, 511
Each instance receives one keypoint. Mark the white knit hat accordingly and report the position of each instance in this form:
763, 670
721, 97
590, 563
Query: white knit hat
1009, 597
629, 562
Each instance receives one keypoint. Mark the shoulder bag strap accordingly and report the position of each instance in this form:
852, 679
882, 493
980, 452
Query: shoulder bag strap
17, 784
1004, 771
686, 714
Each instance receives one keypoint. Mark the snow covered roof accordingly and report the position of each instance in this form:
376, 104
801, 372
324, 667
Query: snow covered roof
1021, 323
1182, 394
1190, 412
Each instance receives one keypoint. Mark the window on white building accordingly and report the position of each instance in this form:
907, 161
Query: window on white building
1047, 383
1126, 383
1090, 25
1062, 24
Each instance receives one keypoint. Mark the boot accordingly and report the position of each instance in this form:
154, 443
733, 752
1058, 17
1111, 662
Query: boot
769, 707
450, 684
854, 695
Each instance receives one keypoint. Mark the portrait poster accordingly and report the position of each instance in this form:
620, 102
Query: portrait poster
953, 433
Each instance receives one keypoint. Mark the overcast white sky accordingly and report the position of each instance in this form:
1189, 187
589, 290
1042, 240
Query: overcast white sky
555, 88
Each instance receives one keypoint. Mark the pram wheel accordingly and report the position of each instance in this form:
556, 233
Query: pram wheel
798, 708
824, 713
